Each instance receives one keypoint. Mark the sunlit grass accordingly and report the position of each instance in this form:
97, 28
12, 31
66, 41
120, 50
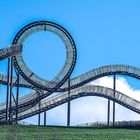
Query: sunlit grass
65, 133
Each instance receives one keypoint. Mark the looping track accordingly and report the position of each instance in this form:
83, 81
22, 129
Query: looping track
30, 76
28, 104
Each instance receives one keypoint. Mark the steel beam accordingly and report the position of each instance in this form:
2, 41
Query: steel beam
8, 90
39, 104
108, 113
11, 87
114, 89
17, 97
44, 118
68, 108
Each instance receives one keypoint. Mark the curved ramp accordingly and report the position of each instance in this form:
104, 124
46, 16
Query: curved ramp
10, 51
30, 100
90, 90
86, 77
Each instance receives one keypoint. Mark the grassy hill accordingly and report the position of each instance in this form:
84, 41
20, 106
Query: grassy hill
66, 133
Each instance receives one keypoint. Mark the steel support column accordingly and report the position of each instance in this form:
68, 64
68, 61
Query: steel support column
39, 112
68, 109
17, 97
114, 89
45, 118
108, 113
8, 91
11, 87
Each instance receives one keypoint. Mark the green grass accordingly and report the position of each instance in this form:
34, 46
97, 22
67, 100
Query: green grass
66, 133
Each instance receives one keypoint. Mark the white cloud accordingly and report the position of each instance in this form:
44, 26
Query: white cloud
88, 109
121, 85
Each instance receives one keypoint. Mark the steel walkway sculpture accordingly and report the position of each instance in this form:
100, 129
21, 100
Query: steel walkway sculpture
17, 108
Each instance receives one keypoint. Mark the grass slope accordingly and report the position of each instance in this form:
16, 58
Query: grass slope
66, 133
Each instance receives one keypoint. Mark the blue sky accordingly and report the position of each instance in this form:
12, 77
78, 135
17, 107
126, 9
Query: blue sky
105, 32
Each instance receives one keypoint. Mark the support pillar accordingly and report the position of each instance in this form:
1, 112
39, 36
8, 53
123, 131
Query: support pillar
108, 113
68, 110
11, 87
17, 97
45, 118
114, 90
8, 91
39, 113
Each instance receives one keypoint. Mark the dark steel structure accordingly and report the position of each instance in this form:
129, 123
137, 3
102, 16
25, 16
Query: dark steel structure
17, 108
